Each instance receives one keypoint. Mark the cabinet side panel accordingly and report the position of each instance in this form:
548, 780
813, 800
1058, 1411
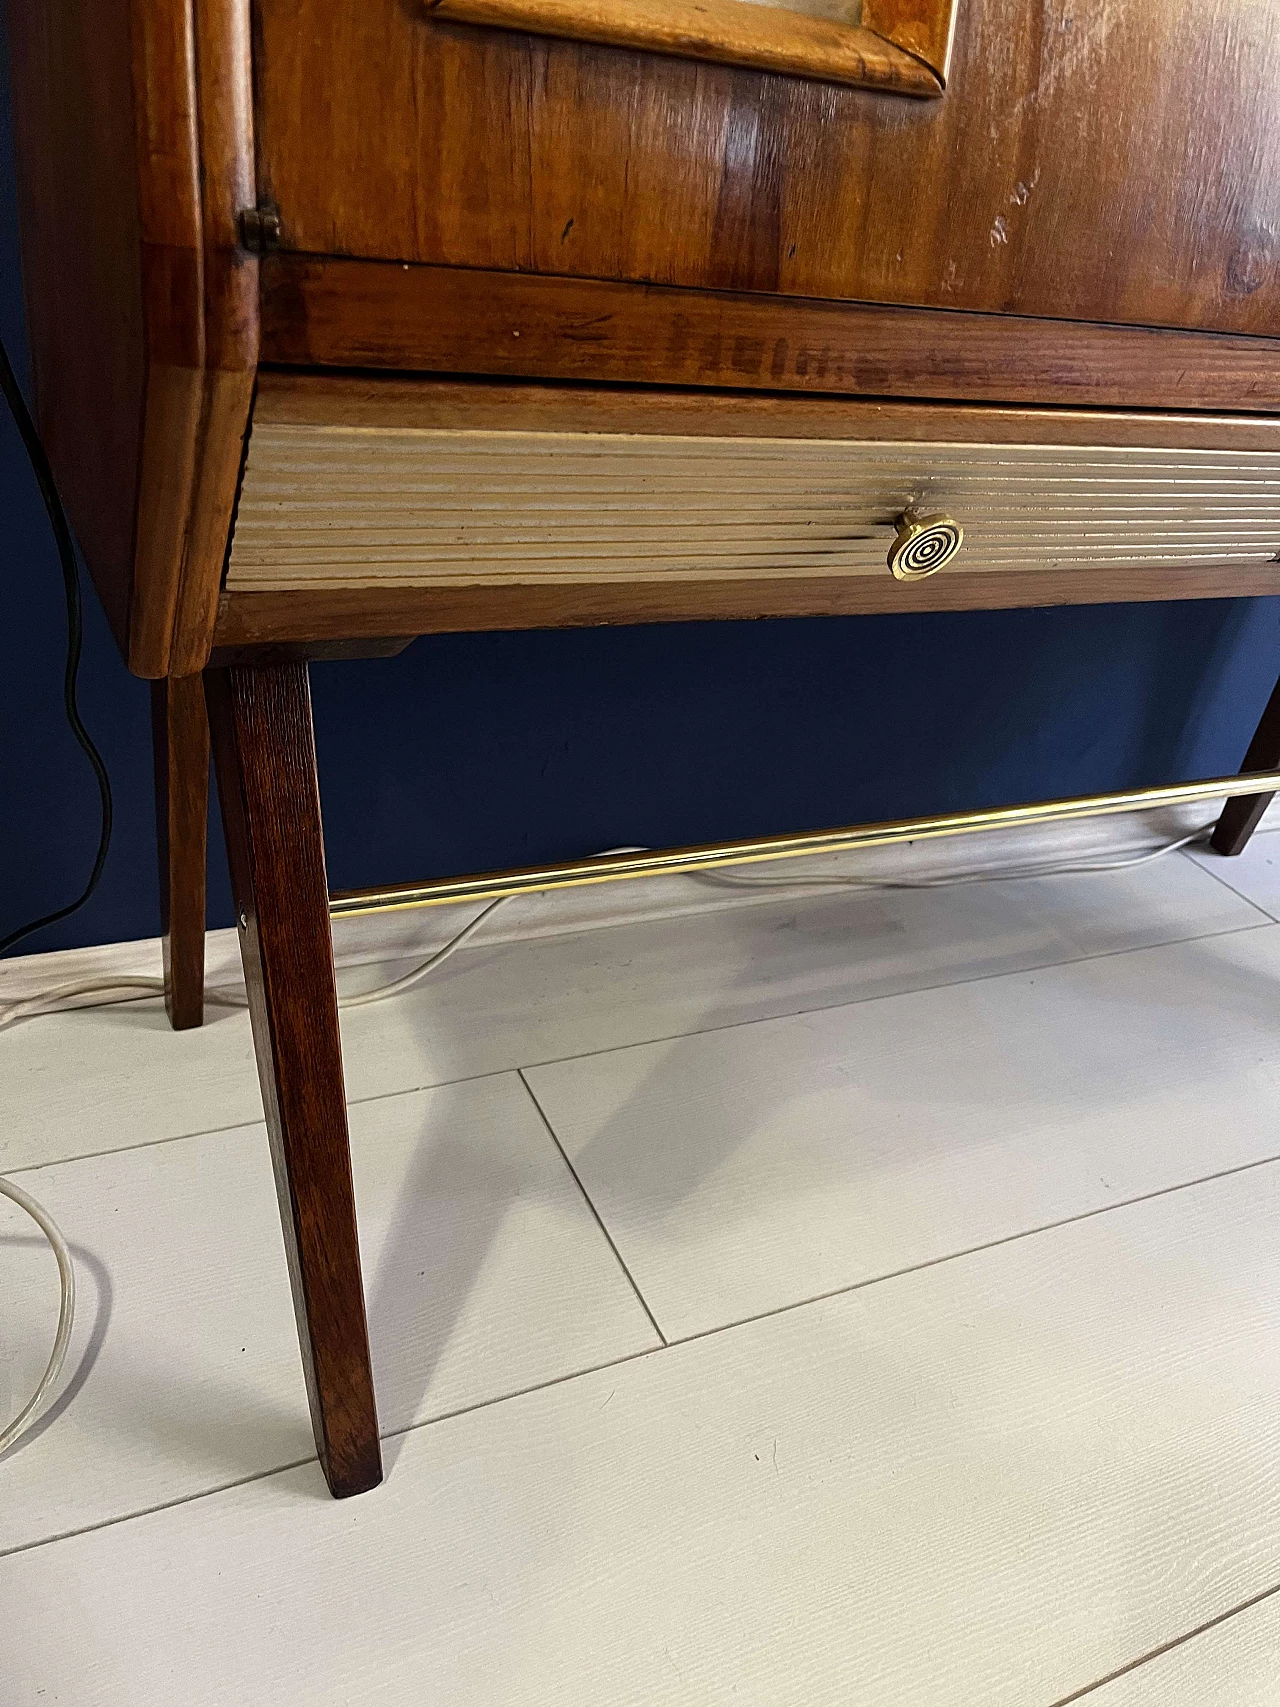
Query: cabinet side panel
230, 309
138, 295
165, 102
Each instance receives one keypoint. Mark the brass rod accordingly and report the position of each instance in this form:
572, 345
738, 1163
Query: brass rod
612, 868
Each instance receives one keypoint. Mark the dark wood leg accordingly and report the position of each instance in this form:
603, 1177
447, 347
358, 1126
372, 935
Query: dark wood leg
1241, 816
180, 742
264, 753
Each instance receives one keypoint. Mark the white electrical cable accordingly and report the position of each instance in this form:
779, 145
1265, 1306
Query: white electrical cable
1008, 874
381, 991
27, 1416
49, 1001
62, 993
41, 1004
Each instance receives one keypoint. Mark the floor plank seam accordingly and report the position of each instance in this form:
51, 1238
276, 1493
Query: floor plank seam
596, 1216
298, 1463
1168, 1647
1265, 923
975, 1250
1220, 877
694, 1339
893, 995
151, 1510
525, 1392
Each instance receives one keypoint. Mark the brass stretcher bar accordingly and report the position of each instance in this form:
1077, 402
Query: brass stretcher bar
708, 856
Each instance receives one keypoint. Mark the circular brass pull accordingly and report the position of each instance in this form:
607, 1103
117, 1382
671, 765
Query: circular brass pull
924, 545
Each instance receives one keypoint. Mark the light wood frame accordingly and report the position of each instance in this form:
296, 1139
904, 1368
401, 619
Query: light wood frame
903, 46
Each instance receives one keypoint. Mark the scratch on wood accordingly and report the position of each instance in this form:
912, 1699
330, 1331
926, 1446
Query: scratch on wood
1022, 192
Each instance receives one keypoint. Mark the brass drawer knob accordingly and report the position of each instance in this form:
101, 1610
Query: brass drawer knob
924, 544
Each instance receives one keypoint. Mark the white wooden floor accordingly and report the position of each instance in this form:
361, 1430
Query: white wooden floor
871, 1298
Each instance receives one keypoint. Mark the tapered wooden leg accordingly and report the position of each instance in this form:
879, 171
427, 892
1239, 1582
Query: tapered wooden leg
180, 743
1241, 816
264, 753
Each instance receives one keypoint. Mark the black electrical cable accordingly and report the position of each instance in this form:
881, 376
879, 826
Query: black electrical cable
75, 636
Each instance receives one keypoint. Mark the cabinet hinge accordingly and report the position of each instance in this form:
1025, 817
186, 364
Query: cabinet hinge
259, 229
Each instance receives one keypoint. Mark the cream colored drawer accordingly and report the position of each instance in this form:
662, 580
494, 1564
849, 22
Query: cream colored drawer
342, 506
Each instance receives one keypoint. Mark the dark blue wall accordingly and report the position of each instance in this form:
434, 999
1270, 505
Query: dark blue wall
470, 751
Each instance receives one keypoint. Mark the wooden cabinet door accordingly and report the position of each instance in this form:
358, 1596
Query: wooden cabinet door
1104, 163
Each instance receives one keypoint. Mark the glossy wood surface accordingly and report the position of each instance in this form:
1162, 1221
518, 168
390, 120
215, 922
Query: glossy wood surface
923, 27
318, 399
1117, 166
264, 750
1242, 815
722, 32
258, 619
132, 278
180, 748
230, 306
1115, 162
366, 314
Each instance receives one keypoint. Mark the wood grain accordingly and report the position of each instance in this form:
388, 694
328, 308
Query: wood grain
1236, 1655
363, 314
1112, 163
255, 619
288, 397
1242, 814
724, 32
126, 288
923, 27
230, 309
180, 747
264, 750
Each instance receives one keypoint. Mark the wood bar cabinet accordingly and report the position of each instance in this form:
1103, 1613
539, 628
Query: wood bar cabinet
354, 320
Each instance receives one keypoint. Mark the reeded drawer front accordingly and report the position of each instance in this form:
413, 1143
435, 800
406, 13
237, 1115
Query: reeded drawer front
348, 507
